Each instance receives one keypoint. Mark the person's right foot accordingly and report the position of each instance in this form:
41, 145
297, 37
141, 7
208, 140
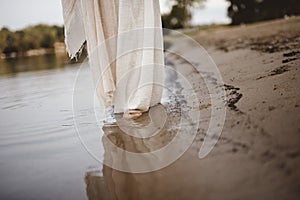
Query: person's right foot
132, 114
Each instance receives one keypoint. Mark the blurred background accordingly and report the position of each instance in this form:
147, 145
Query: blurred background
35, 27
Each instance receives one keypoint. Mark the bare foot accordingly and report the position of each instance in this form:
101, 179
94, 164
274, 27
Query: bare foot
132, 114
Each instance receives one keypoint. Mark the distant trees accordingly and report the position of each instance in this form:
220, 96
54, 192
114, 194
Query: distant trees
240, 11
247, 11
180, 14
33, 37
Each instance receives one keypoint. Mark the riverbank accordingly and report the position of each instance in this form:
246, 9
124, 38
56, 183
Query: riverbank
258, 154
58, 49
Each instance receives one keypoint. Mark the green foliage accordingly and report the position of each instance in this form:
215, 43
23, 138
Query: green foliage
33, 37
248, 11
180, 14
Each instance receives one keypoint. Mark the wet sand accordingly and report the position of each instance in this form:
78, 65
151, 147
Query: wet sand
257, 155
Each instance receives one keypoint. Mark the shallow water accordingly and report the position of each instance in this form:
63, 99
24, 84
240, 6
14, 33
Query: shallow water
47, 144
52, 142
41, 156
51, 137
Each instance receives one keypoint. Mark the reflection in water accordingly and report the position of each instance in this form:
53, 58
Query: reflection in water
114, 184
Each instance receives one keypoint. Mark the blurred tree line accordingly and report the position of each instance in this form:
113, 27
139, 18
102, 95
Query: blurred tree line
248, 11
240, 11
180, 14
33, 37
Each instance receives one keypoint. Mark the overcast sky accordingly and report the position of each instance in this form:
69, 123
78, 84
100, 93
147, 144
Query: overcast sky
17, 14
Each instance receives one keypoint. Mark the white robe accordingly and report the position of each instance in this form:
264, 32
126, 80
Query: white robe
125, 48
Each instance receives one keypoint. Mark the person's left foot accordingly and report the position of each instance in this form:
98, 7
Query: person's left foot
109, 116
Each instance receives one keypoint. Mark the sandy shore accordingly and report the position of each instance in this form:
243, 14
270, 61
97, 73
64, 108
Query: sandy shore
258, 154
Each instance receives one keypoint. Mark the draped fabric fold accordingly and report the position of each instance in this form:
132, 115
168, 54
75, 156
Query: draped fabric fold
125, 49
73, 22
